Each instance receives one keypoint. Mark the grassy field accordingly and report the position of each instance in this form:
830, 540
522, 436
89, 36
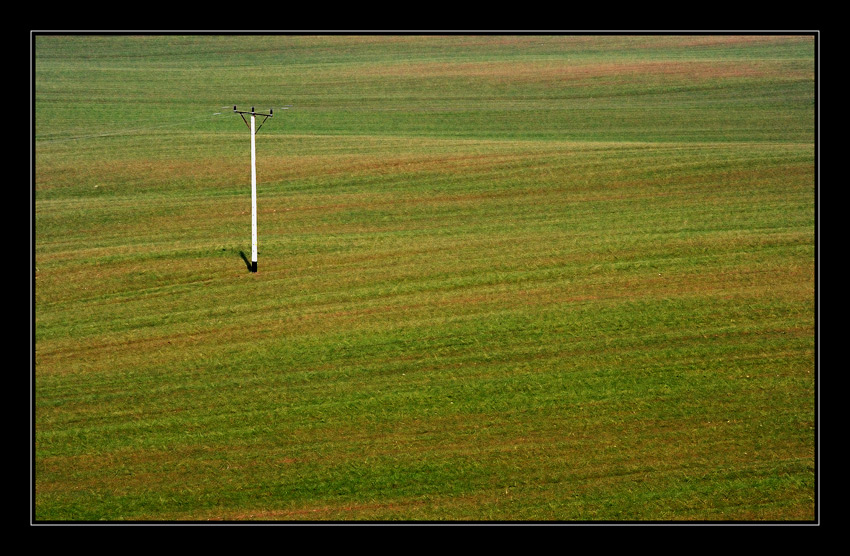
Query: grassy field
508, 278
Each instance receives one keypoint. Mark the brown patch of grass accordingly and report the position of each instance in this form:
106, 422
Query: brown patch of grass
120, 172
574, 73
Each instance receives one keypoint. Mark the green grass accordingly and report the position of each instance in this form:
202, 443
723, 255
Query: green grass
500, 278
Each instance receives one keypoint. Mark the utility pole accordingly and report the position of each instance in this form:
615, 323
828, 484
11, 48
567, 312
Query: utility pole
254, 131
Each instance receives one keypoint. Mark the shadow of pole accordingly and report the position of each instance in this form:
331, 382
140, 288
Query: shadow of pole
245, 258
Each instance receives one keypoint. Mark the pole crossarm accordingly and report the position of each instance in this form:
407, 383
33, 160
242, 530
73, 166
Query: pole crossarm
252, 112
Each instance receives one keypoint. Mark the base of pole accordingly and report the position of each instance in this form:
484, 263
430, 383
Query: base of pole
253, 266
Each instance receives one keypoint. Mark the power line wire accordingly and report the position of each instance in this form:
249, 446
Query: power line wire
133, 131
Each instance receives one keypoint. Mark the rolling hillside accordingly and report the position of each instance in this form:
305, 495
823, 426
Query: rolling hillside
501, 278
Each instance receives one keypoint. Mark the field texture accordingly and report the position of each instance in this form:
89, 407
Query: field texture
554, 278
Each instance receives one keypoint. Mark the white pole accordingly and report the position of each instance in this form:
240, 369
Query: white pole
253, 198
254, 130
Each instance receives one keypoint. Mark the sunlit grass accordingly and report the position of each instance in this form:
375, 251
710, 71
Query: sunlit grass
481, 295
